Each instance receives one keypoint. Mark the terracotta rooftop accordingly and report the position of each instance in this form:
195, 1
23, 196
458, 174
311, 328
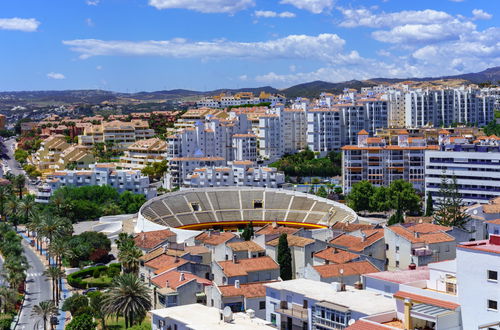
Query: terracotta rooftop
159, 251
271, 230
426, 300
350, 268
357, 244
196, 249
245, 266
248, 290
494, 222
175, 280
214, 237
349, 227
164, 262
335, 255
491, 245
423, 233
363, 132
245, 246
402, 276
491, 208
366, 325
150, 239
292, 241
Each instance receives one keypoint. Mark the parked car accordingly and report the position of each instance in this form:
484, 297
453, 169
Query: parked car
93, 289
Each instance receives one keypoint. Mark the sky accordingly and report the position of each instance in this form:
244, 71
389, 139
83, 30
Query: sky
148, 45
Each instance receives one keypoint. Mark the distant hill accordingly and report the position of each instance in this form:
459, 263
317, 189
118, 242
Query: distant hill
310, 89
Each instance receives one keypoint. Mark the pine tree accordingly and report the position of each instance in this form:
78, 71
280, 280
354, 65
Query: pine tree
247, 232
429, 206
449, 209
284, 258
396, 218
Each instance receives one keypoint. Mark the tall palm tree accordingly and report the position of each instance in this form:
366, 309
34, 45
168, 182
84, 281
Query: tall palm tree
128, 297
9, 298
45, 310
97, 308
123, 239
58, 248
4, 194
129, 257
19, 183
54, 227
55, 274
12, 209
27, 207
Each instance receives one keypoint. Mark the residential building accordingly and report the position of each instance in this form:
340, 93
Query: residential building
99, 174
117, 134
150, 240
144, 152
348, 273
389, 282
225, 100
165, 262
245, 271
244, 250
474, 164
308, 304
200, 317
179, 169
478, 269
372, 159
417, 245
239, 297
334, 256
174, 288
215, 241
46, 158
236, 173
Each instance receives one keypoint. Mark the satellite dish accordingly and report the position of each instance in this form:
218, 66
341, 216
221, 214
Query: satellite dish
228, 314
351, 322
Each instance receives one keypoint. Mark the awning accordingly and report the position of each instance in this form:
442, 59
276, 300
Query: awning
430, 311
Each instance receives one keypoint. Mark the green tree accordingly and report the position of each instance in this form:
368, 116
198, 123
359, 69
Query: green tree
380, 200
129, 258
27, 208
247, 232
449, 206
87, 246
12, 211
321, 192
359, 197
156, 170
55, 274
284, 258
128, 297
429, 205
19, 183
397, 217
77, 302
96, 306
82, 322
9, 298
45, 310
403, 197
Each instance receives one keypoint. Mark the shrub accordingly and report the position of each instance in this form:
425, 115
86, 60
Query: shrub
113, 271
96, 273
5, 321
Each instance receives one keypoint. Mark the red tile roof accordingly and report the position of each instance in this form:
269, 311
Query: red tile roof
350, 227
245, 246
491, 245
423, 233
355, 243
214, 238
494, 222
350, 268
336, 256
270, 230
150, 239
248, 290
245, 266
174, 279
165, 262
366, 325
292, 241
426, 300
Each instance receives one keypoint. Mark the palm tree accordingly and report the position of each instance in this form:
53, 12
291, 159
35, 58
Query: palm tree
45, 310
123, 239
35, 225
11, 209
55, 274
96, 306
19, 183
128, 297
129, 257
4, 194
54, 227
9, 298
27, 207
58, 248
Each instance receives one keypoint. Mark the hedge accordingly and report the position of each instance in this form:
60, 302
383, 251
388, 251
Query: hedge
76, 279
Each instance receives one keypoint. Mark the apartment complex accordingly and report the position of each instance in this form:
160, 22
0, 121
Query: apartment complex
225, 100
475, 163
143, 153
374, 160
47, 156
118, 134
237, 173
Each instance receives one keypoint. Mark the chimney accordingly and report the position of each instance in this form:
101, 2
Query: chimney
235, 259
176, 258
209, 233
274, 224
363, 237
335, 251
182, 277
164, 249
416, 234
237, 284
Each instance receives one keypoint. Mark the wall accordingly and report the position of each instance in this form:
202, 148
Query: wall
254, 303
378, 285
187, 293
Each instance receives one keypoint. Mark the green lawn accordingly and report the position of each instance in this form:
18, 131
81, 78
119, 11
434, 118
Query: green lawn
113, 324
100, 280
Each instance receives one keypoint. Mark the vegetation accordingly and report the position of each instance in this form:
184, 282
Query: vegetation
248, 232
82, 322
128, 253
449, 207
284, 258
156, 170
84, 278
55, 274
44, 311
304, 163
128, 297
15, 263
92, 202
88, 246
492, 128
76, 304
21, 156
400, 196
429, 205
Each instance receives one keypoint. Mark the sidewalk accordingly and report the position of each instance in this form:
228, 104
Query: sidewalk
66, 293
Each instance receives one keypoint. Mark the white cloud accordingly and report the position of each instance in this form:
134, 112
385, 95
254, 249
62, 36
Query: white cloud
89, 22
314, 6
365, 17
204, 6
324, 47
99, 67
457, 0
19, 24
92, 2
55, 75
480, 14
243, 77
272, 14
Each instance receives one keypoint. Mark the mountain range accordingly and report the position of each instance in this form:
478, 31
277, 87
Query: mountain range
310, 89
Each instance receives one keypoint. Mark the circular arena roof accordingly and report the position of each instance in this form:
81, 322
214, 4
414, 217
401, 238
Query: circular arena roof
201, 208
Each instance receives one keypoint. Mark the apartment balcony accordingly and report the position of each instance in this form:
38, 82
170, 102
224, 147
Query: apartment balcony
295, 311
421, 252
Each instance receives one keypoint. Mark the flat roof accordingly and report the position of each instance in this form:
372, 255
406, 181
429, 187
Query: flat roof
363, 301
197, 316
402, 276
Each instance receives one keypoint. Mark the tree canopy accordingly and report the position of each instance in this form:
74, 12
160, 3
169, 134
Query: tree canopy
284, 258
449, 211
88, 246
304, 163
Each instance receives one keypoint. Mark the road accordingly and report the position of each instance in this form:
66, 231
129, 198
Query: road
11, 162
37, 289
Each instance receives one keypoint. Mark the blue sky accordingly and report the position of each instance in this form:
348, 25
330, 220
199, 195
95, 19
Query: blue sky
146, 45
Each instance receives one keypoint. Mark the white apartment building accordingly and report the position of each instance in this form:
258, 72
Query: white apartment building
381, 164
237, 173
438, 107
143, 153
180, 167
118, 133
99, 175
478, 269
243, 98
244, 147
474, 164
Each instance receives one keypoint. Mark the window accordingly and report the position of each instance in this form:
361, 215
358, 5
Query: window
397, 248
262, 304
492, 305
304, 304
397, 263
195, 207
257, 204
492, 275
273, 319
451, 288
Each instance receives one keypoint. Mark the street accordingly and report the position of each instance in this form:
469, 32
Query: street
37, 289
11, 162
